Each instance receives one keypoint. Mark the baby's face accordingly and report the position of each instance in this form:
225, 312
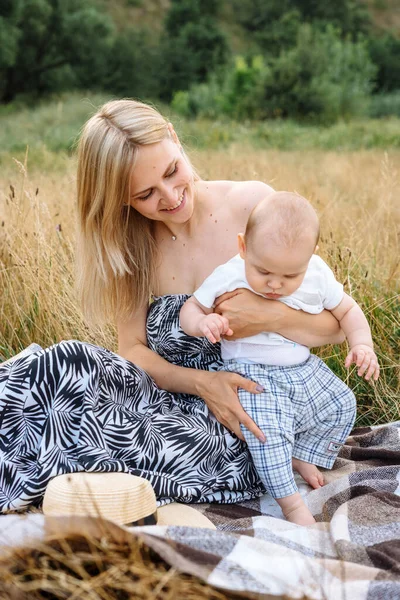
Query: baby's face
275, 271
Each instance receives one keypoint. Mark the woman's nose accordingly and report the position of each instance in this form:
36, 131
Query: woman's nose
168, 194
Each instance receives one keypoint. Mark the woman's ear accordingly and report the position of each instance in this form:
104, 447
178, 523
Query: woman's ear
242, 245
173, 134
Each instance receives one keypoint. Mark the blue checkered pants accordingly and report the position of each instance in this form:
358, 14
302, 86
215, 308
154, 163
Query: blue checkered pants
305, 412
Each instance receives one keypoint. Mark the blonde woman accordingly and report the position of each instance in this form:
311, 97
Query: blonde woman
150, 228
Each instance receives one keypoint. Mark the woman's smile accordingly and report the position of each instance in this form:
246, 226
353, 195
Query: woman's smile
178, 206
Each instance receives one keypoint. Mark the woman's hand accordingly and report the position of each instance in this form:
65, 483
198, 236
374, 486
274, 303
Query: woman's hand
247, 314
219, 391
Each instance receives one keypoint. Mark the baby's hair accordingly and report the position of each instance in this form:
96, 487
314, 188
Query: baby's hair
285, 219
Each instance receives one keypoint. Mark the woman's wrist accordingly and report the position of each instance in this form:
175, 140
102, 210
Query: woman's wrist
200, 382
273, 315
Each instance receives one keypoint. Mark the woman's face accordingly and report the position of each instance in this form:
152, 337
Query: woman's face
162, 183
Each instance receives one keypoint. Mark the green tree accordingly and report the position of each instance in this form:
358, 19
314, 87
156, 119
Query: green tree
133, 65
274, 24
323, 77
47, 44
193, 45
385, 53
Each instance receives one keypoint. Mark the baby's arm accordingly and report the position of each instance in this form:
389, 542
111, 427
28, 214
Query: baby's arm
199, 321
358, 333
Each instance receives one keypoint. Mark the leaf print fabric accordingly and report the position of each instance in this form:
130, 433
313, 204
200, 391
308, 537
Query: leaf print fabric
77, 407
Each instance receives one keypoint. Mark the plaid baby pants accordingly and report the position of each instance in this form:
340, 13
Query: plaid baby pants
305, 412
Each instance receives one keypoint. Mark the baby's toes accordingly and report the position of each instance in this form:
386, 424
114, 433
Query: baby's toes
315, 480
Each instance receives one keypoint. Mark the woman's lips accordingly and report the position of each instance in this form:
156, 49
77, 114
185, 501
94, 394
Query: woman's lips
178, 208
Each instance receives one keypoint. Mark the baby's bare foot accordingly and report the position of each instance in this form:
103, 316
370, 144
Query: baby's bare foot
300, 515
310, 473
295, 510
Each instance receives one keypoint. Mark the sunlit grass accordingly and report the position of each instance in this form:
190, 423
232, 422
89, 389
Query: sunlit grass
355, 194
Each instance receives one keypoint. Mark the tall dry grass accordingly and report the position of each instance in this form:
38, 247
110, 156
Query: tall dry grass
355, 195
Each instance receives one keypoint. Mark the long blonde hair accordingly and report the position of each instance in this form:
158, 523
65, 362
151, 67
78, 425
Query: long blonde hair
117, 254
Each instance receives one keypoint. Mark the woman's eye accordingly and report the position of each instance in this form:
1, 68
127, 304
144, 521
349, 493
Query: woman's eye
174, 171
147, 196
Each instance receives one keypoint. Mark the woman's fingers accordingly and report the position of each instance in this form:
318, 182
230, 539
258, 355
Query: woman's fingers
251, 426
235, 428
247, 384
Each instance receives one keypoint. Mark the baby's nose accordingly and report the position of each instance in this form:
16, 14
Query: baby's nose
274, 284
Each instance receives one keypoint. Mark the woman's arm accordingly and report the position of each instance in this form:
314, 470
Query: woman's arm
218, 389
249, 314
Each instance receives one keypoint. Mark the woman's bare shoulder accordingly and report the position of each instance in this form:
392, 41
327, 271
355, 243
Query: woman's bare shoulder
246, 194
242, 193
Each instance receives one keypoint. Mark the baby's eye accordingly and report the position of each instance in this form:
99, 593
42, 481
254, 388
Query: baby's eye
263, 272
291, 276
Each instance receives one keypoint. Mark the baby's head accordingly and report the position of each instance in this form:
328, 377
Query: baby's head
281, 235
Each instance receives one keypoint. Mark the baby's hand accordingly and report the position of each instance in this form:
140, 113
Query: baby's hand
212, 326
365, 359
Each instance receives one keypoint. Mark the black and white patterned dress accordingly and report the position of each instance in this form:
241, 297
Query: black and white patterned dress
77, 407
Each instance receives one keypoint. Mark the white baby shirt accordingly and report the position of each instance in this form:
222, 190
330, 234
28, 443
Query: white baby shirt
319, 290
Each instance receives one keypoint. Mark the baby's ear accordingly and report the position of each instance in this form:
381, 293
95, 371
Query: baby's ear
242, 245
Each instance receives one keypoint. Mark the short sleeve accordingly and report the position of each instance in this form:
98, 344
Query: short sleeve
211, 288
333, 292
225, 278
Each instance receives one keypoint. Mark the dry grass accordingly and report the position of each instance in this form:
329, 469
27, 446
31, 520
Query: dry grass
81, 567
354, 193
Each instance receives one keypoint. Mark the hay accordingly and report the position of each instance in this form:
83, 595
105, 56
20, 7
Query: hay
83, 567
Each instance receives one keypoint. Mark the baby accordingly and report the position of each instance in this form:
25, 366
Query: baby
305, 411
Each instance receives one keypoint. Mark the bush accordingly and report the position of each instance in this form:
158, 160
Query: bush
274, 24
132, 66
193, 45
385, 105
322, 78
198, 50
43, 41
385, 53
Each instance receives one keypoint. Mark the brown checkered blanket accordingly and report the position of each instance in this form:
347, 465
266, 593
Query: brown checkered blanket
352, 552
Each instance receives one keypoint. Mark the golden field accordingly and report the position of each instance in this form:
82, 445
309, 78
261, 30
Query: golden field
354, 192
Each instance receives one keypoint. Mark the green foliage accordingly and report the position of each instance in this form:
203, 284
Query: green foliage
384, 105
40, 37
182, 12
323, 78
193, 46
385, 53
274, 24
132, 68
303, 59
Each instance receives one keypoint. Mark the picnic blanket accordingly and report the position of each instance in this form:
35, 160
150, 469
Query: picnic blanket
352, 552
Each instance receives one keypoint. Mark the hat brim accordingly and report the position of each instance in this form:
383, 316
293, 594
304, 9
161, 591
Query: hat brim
118, 497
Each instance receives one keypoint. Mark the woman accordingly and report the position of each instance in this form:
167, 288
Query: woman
149, 227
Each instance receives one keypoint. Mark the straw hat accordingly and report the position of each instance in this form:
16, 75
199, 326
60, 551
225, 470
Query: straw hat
119, 497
